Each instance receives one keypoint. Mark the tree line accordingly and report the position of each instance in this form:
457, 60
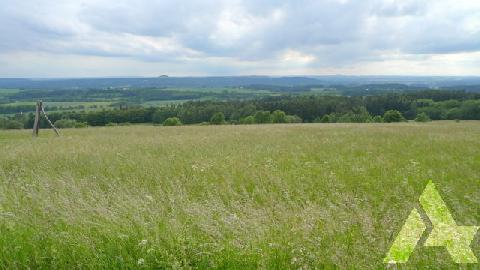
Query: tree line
435, 105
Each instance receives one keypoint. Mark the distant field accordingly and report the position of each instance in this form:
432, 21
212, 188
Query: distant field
219, 90
260, 196
159, 103
4, 91
63, 104
140, 96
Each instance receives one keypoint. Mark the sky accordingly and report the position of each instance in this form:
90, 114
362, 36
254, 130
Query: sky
95, 38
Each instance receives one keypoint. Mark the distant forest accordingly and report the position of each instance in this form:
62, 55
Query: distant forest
433, 104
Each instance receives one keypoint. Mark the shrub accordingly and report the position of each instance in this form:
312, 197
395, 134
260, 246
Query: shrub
10, 124
81, 125
248, 120
69, 123
393, 116
422, 117
217, 118
293, 119
110, 124
262, 117
172, 121
323, 119
279, 116
377, 119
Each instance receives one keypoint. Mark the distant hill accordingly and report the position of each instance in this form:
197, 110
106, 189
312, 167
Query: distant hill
233, 81
155, 82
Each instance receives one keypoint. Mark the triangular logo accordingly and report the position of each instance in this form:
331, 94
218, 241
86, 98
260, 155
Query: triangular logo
445, 232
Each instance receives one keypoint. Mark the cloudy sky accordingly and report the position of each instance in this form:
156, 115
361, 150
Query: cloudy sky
78, 38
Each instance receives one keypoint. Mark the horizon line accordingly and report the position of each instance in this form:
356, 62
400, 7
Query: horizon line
234, 76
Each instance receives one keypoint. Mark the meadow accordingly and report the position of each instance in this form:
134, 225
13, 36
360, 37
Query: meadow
297, 196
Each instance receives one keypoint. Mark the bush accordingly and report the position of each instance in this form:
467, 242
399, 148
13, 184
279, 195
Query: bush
393, 116
293, 119
10, 124
217, 118
172, 121
110, 124
248, 120
422, 117
81, 125
323, 119
279, 116
69, 123
377, 119
262, 117
64, 123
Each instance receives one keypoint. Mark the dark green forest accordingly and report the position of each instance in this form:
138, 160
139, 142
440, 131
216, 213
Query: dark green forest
425, 105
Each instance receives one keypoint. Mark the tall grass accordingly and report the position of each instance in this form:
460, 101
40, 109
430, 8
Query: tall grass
230, 197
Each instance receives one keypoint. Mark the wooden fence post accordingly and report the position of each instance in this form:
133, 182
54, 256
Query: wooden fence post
36, 124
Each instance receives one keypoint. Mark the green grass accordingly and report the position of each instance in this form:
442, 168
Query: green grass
231, 197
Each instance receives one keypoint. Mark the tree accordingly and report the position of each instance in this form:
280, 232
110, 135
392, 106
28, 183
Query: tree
217, 118
393, 116
161, 114
248, 120
262, 117
360, 115
279, 116
422, 117
172, 121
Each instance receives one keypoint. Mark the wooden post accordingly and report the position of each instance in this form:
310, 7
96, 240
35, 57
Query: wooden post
36, 124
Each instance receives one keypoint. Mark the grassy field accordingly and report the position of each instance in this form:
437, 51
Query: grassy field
244, 197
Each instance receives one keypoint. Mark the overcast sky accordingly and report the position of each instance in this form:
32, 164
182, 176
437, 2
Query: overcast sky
67, 38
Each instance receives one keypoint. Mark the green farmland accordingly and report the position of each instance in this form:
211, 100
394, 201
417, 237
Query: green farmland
298, 196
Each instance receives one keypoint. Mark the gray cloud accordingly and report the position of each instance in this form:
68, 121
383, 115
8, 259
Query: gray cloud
306, 34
